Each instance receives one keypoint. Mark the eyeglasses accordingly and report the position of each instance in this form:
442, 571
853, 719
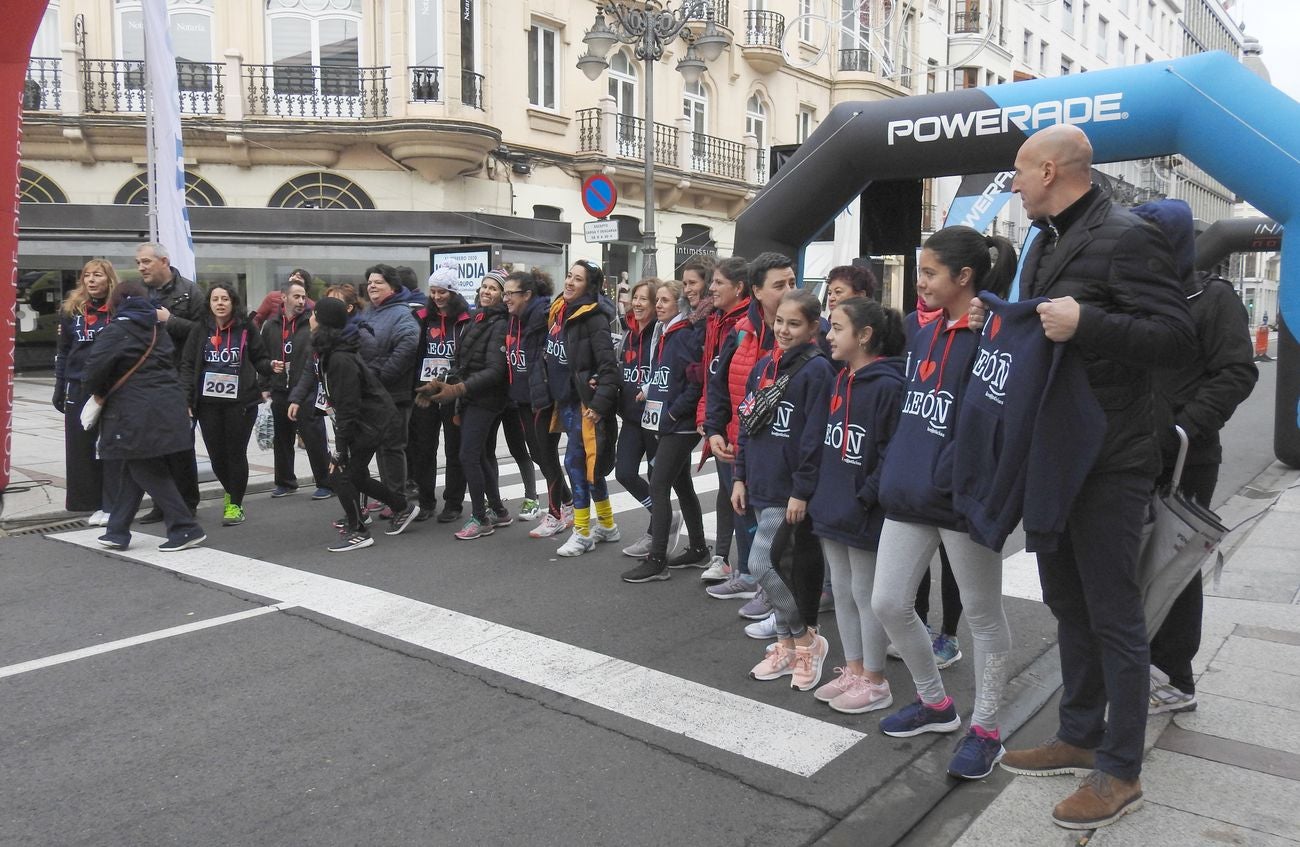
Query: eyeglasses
512, 293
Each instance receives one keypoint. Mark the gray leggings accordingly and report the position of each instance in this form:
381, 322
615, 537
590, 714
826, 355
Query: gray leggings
789, 621
853, 572
906, 550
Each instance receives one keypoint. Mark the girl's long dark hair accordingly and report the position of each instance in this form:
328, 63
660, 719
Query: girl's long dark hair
887, 335
992, 258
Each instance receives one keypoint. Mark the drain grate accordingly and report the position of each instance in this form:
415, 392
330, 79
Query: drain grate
42, 529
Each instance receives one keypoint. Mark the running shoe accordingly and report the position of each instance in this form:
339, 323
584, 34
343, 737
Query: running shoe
606, 535
842, 682
649, 569
691, 557
449, 515
342, 523
758, 608
577, 545
500, 518
863, 696
351, 541
762, 630
917, 718
400, 521
105, 541
947, 652
567, 511
322, 493
530, 509
283, 491
640, 548
808, 663
977, 754
738, 587
777, 662
717, 571
99, 518
233, 515
473, 529
1167, 698
193, 538
550, 525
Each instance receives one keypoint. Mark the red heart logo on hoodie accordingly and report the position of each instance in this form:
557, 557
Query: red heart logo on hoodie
926, 370
995, 326
836, 402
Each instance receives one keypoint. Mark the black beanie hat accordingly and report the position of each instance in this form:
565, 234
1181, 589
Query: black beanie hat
331, 312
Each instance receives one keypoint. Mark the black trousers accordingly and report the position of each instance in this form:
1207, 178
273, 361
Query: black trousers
478, 459
392, 454
154, 476
544, 446
949, 592
517, 442
634, 441
91, 484
1090, 584
352, 480
311, 427
184, 468
427, 424
1179, 637
672, 472
226, 428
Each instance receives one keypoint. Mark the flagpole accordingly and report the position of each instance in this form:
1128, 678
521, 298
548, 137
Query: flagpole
151, 163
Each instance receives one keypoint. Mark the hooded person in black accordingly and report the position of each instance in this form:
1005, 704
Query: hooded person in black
364, 419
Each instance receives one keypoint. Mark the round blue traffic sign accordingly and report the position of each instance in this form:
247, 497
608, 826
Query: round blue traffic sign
599, 195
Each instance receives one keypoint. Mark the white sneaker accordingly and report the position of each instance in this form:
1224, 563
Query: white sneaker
764, 629
675, 533
529, 510
550, 525
567, 511
599, 533
577, 545
717, 571
640, 548
100, 518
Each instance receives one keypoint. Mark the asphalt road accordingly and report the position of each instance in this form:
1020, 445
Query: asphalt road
314, 724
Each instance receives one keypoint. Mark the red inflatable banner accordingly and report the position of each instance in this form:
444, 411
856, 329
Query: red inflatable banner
22, 20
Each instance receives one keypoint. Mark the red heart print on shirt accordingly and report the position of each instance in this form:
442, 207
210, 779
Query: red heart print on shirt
836, 402
995, 326
926, 370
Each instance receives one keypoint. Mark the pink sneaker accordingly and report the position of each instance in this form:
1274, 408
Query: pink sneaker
473, 529
808, 664
863, 696
843, 682
550, 525
778, 662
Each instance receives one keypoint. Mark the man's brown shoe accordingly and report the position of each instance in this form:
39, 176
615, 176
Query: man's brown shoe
1051, 758
1101, 799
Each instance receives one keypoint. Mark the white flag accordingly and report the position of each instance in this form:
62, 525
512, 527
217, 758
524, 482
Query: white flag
167, 182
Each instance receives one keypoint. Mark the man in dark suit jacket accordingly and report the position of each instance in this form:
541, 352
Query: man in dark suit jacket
1117, 300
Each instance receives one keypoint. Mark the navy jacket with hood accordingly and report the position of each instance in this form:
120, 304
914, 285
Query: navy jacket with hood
676, 347
781, 461
525, 340
1031, 430
580, 350
634, 367
916, 482
861, 418
389, 341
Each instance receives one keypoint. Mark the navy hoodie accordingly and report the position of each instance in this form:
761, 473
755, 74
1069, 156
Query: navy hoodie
861, 418
525, 338
1030, 430
634, 367
671, 396
916, 482
780, 461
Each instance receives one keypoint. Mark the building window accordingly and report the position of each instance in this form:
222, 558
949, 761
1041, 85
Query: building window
190, 25
1028, 47
314, 46
36, 187
965, 78
804, 127
622, 87
320, 190
1085, 24
547, 213
47, 40
543, 62
1067, 17
1067, 65
805, 20
1151, 17
1042, 57
198, 191
425, 33
695, 106
931, 76
1103, 38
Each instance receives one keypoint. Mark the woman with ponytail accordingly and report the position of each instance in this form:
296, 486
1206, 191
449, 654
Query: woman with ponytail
955, 264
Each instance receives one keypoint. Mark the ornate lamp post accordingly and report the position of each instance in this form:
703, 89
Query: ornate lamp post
651, 25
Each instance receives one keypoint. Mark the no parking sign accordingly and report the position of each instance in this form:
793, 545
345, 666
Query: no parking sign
599, 195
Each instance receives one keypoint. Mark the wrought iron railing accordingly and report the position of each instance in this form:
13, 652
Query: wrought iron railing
760, 165
717, 156
629, 137
966, 20
763, 28
316, 91
589, 131
665, 144
426, 85
857, 60
117, 85
698, 10
471, 89
42, 89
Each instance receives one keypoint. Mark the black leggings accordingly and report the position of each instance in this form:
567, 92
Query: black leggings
226, 429
948, 590
633, 443
517, 442
672, 472
426, 424
350, 482
544, 446
477, 425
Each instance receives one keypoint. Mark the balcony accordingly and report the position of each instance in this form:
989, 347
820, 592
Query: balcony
42, 89
700, 9
628, 137
966, 21
857, 61
117, 85
761, 47
426, 85
315, 91
717, 157
471, 90
760, 166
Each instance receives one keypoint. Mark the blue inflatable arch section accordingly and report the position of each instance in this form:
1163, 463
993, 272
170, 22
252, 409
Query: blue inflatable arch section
1208, 108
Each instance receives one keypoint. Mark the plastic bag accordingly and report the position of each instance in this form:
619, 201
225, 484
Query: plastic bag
90, 413
265, 426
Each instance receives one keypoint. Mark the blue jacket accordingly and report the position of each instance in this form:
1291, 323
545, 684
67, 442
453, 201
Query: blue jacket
781, 461
671, 396
862, 416
390, 345
916, 482
525, 338
1030, 430
634, 368
76, 334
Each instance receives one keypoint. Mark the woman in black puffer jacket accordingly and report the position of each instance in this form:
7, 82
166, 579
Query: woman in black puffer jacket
478, 387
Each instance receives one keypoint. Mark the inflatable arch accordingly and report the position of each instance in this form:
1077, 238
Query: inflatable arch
1209, 108
1236, 235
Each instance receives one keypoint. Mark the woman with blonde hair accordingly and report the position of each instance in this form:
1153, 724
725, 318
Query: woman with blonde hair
91, 483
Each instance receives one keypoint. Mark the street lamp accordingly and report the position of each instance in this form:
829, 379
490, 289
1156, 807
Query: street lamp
651, 25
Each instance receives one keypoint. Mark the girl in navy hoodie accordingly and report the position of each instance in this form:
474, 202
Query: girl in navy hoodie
776, 474
670, 394
634, 442
863, 413
916, 490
